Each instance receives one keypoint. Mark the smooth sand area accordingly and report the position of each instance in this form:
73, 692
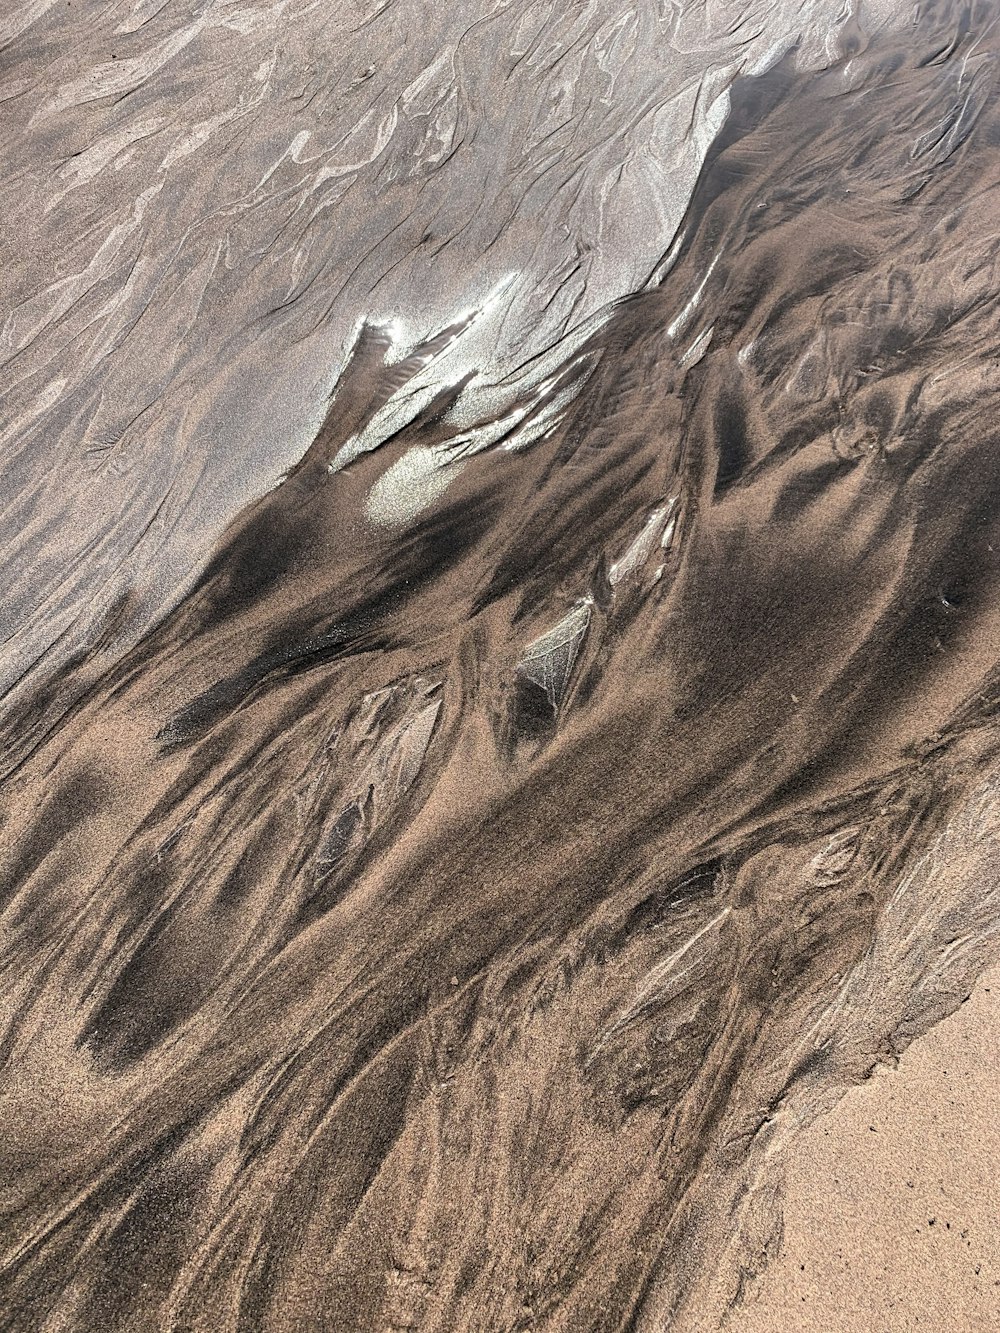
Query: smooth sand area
892, 1207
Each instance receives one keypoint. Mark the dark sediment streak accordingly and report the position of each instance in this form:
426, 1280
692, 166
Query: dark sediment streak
442, 921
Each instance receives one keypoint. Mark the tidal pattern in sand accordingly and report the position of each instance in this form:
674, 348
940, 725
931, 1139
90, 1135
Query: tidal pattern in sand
489, 752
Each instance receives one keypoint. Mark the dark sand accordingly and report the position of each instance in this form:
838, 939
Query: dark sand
553, 793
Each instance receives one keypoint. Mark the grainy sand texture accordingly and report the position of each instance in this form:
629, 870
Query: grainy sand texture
897, 1231
500, 720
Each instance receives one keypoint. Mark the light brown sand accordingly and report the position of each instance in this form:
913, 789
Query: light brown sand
893, 1200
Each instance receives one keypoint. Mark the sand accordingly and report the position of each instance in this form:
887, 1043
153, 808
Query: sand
501, 536
890, 1212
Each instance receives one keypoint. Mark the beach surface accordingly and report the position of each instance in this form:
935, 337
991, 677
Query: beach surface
500, 722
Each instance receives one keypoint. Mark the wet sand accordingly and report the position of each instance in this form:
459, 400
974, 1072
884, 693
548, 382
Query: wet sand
457, 850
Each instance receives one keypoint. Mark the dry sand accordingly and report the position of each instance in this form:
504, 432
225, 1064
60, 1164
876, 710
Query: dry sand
892, 1209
